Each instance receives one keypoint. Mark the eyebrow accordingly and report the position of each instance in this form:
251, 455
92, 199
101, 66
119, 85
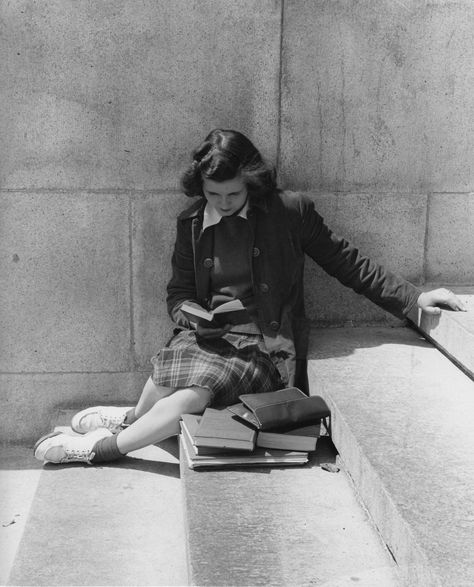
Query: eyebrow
229, 194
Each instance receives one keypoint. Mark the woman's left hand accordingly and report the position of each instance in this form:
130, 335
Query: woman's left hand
213, 330
429, 301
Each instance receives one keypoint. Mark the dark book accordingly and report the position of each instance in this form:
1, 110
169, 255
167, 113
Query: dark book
300, 439
219, 429
243, 413
283, 408
259, 457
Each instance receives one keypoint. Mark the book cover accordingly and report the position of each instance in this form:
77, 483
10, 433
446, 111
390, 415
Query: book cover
259, 457
255, 401
299, 439
242, 412
189, 425
286, 407
219, 429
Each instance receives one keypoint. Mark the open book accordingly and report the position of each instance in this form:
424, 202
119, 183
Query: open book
227, 312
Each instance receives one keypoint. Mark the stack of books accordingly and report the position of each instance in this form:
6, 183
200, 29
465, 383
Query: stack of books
237, 436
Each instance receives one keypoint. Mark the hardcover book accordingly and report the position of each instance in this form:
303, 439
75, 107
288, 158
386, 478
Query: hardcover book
286, 407
219, 429
259, 457
189, 425
303, 438
243, 413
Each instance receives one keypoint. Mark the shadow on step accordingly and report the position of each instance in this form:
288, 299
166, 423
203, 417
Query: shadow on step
327, 343
138, 464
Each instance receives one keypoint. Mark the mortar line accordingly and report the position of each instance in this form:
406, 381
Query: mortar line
280, 85
90, 191
131, 282
161, 191
85, 373
425, 239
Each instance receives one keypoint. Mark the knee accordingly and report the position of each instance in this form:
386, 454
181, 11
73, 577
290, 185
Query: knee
191, 400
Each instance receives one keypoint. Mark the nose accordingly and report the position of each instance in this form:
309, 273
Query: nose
225, 202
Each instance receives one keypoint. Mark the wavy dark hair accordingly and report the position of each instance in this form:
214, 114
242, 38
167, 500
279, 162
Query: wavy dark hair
226, 154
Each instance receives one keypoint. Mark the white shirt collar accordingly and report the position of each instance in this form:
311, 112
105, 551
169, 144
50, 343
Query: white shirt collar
212, 216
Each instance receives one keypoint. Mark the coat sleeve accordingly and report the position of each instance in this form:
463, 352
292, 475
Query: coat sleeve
182, 285
345, 262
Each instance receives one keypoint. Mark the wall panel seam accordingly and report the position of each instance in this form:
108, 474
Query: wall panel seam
131, 283
280, 84
425, 240
85, 373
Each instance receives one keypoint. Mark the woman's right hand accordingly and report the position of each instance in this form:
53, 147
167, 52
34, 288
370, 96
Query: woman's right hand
213, 330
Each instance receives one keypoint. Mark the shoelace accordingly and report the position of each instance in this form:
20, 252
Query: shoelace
75, 454
111, 420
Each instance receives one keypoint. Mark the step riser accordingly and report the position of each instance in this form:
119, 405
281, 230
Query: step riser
402, 423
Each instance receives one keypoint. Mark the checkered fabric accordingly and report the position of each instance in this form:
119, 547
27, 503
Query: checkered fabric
227, 366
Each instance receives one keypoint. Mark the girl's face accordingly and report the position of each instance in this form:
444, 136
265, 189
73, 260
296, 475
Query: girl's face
226, 197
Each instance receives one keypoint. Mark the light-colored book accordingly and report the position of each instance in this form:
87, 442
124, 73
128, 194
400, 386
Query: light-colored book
194, 311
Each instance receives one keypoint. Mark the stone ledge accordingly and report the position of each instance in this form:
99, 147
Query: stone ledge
402, 423
452, 332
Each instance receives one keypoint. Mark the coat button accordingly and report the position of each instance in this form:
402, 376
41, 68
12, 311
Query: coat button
274, 325
208, 263
256, 252
264, 288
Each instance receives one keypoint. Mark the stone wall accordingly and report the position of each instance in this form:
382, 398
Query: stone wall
367, 106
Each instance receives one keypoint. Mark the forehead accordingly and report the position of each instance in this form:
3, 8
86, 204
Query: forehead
219, 187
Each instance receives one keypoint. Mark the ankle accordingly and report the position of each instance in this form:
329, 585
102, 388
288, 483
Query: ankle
106, 449
130, 417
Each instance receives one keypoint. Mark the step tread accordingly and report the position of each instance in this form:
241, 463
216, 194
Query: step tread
115, 524
281, 526
402, 422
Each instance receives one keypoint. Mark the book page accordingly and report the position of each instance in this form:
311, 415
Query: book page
232, 306
196, 310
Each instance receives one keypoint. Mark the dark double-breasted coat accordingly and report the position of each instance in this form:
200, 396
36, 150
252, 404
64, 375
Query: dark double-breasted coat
285, 227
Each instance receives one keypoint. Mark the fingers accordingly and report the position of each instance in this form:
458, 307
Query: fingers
217, 332
452, 301
432, 310
430, 300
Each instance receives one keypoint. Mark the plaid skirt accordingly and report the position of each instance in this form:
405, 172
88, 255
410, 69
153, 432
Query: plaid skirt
227, 366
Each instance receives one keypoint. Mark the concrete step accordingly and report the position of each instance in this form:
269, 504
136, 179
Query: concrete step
115, 524
122, 524
402, 422
19, 477
282, 526
452, 332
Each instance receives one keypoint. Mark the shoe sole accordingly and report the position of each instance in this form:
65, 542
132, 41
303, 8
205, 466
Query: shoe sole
43, 438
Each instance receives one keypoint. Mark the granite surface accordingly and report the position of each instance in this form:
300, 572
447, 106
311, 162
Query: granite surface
402, 423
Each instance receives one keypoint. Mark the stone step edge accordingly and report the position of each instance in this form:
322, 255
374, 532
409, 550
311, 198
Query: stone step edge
411, 557
366, 481
451, 332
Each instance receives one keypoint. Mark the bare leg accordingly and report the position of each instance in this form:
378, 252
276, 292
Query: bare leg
162, 419
150, 395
